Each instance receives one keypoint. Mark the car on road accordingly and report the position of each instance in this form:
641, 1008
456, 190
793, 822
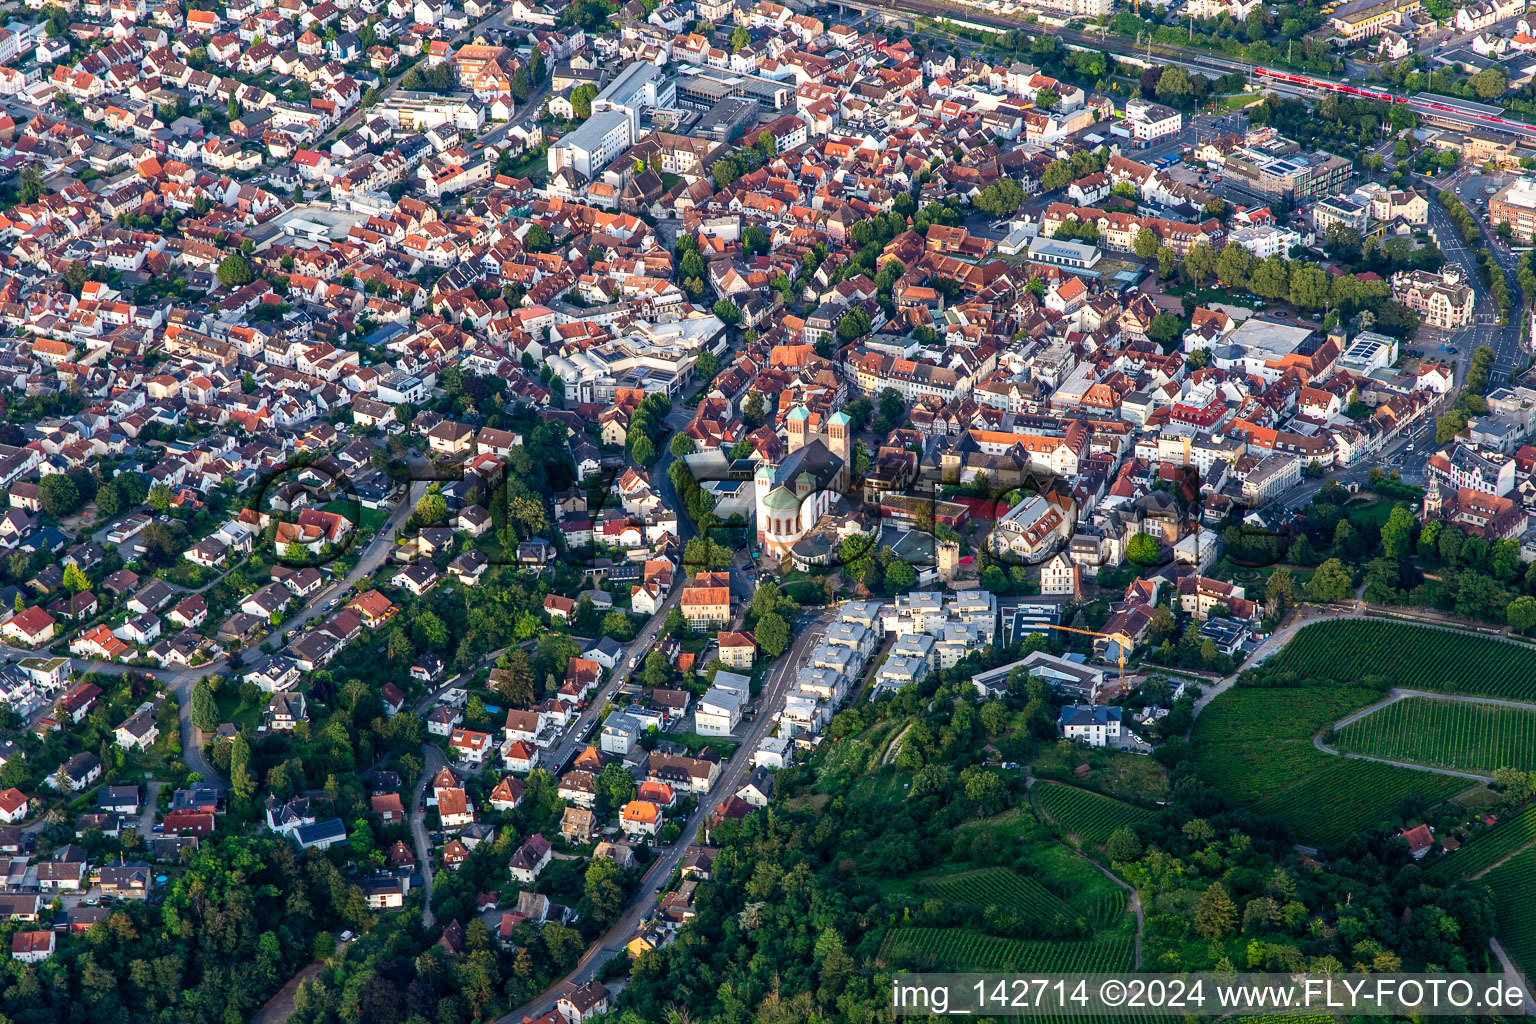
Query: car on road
661, 887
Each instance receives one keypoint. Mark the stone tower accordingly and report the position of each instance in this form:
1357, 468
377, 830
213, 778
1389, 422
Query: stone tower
799, 423
949, 560
762, 483
840, 436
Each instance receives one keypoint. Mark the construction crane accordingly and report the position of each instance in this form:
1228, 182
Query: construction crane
1120, 638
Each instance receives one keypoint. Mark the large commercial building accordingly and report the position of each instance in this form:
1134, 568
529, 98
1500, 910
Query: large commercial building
1442, 300
1274, 166
1145, 123
1516, 204
1357, 21
639, 87
594, 145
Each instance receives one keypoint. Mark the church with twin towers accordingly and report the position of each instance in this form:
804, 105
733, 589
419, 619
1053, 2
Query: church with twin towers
808, 483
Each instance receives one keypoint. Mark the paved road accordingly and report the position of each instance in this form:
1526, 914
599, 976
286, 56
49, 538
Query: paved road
1317, 741
179, 682
1398, 694
1308, 614
612, 942
434, 761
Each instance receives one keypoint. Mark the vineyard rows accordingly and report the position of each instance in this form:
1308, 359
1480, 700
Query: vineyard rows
1255, 745
1446, 734
1487, 849
1089, 815
1002, 888
1513, 885
1348, 650
961, 949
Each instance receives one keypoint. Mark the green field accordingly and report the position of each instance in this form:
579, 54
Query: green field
1447, 734
1087, 814
1513, 885
1487, 849
1255, 745
1348, 650
961, 949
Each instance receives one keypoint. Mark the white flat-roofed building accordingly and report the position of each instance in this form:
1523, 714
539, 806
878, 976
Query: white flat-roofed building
919, 612
959, 639
594, 145
852, 635
914, 645
806, 713
1367, 352
1146, 122
830, 686
977, 608
718, 712
898, 672
1266, 240
869, 614
1272, 477
1062, 253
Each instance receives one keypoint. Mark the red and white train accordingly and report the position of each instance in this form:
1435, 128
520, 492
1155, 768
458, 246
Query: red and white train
1448, 106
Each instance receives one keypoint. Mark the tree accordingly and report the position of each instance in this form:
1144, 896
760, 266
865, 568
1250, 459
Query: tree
728, 312
1489, 84
1199, 263
643, 450
1232, 266
538, 239
1165, 329
108, 500
205, 714
681, 445
431, 508
32, 188
75, 578
159, 497
581, 100
1143, 550
1215, 914
657, 671
514, 680
1397, 533
1146, 242
1123, 846
900, 577
772, 634
58, 494
1521, 612
740, 38
1331, 582
520, 84
234, 271
240, 778
1279, 592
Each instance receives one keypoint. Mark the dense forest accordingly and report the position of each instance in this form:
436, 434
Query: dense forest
244, 916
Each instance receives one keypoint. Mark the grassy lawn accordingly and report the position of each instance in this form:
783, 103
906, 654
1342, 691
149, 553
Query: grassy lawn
231, 710
1115, 772
670, 181
184, 573
373, 519
534, 166
1372, 511
1239, 101
695, 743
1251, 576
